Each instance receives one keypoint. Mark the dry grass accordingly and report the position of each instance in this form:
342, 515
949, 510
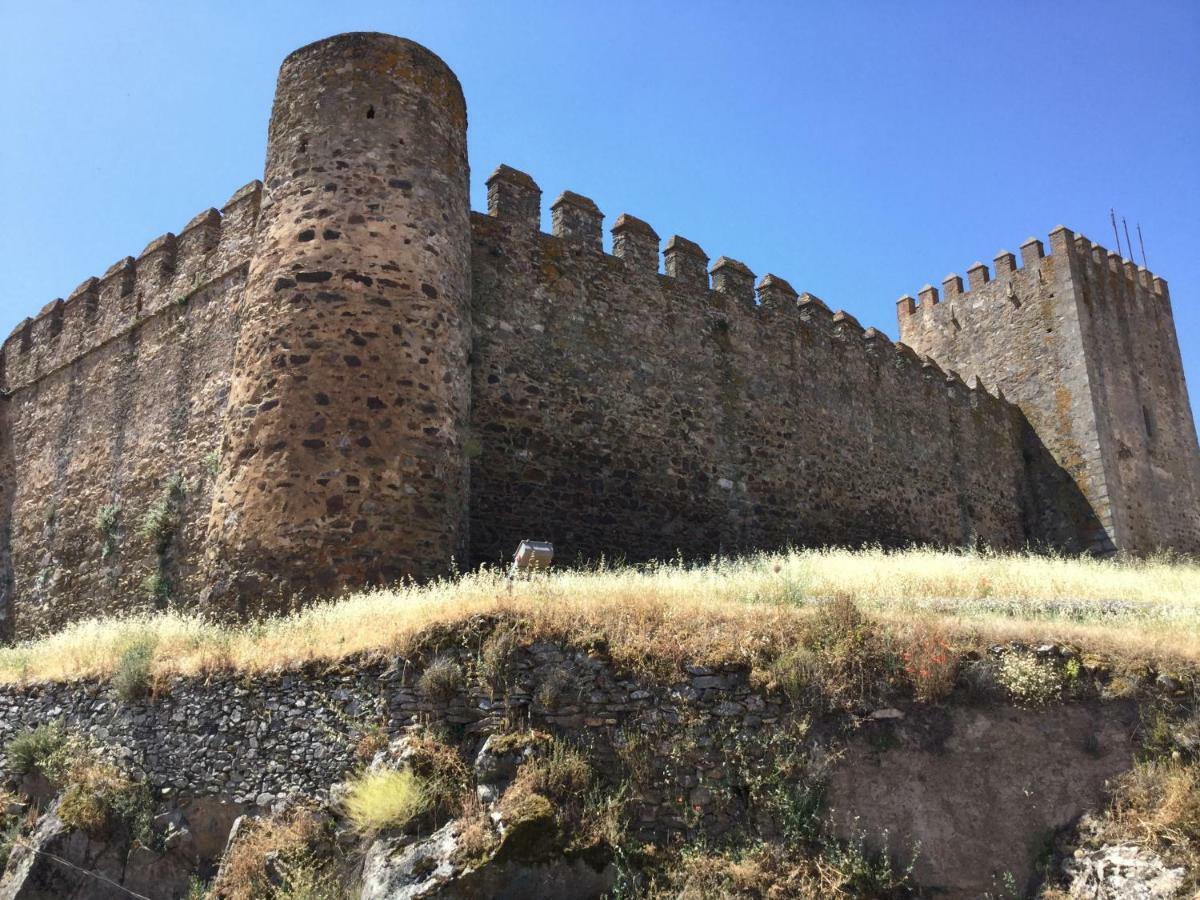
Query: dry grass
1158, 804
387, 799
671, 613
275, 858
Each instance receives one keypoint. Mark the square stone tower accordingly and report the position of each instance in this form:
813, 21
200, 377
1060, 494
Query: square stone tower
1084, 343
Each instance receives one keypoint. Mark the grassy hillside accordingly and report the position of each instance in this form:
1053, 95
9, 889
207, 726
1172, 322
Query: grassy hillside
652, 618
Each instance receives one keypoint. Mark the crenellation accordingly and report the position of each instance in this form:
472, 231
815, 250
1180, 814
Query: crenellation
928, 296
775, 293
1004, 264
845, 324
1033, 251
578, 220
977, 276
635, 242
122, 273
952, 286
201, 235
685, 261
514, 196
1061, 241
733, 278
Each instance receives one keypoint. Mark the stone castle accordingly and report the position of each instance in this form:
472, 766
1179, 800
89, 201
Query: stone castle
345, 376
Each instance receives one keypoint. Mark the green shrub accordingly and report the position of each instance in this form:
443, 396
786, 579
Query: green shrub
552, 692
387, 799
441, 680
157, 587
31, 750
159, 524
1029, 680
107, 517
497, 658
132, 678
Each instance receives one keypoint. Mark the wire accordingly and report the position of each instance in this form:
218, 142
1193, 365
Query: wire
71, 865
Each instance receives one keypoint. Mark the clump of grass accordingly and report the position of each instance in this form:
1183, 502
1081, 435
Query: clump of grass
97, 796
841, 658
387, 799
438, 765
769, 870
371, 740
1158, 804
162, 518
656, 618
107, 517
497, 658
1029, 680
287, 858
554, 689
442, 679
929, 661
31, 751
131, 681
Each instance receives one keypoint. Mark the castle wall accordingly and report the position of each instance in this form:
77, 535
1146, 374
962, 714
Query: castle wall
106, 412
625, 413
350, 378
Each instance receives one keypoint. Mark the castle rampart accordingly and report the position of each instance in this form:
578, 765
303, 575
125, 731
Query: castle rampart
345, 377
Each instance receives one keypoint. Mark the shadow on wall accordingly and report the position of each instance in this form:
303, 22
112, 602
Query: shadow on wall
621, 517
7, 490
1058, 516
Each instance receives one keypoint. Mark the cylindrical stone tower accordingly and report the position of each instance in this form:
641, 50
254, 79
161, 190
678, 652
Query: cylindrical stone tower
343, 462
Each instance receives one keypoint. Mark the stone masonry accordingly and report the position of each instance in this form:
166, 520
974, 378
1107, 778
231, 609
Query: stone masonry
345, 376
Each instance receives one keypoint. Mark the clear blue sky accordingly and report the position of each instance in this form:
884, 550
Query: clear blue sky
857, 149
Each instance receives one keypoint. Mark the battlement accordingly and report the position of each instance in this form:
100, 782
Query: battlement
170, 269
1006, 279
682, 268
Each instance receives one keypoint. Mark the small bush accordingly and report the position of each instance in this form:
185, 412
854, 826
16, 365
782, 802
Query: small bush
929, 661
132, 678
280, 859
159, 524
442, 680
555, 687
440, 767
107, 517
1158, 803
157, 587
1029, 680
497, 658
797, 672
99, 798
31, 750
371, 740
387, 799
563, 777
842, 660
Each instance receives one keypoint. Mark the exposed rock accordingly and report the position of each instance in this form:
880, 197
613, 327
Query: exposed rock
1121, 872
402, 869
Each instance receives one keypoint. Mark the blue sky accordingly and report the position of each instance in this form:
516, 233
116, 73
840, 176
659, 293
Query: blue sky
857, 149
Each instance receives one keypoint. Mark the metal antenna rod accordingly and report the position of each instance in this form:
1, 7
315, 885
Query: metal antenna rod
1128, 243
1142, 244
1113, 218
